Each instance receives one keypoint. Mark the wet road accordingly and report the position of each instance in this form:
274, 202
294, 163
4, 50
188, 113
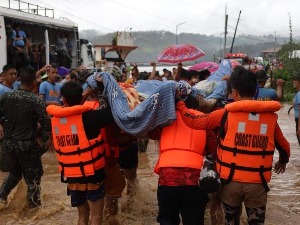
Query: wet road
283, 202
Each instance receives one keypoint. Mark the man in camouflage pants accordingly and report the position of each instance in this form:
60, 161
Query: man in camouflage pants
21, 111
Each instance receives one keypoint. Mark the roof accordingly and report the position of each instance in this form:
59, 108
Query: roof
37, 19
122, 50
271, 50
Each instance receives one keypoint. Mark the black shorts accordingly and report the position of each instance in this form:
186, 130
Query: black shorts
80, 197
128, 158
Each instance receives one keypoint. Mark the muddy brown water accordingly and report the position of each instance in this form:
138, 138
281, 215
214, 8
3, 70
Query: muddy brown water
283, 201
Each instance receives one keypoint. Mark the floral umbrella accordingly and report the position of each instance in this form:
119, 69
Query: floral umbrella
180, 53
211, 66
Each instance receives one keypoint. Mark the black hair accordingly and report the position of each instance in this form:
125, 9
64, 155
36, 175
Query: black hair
84, 74
203, 74
261, 73
191, 74
191, 102
53, 66
27, 75
72, 92
74, 76
8, 67
183, 74
243, 81
143, 76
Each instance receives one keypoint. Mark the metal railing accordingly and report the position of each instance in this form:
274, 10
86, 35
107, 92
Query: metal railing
30, 8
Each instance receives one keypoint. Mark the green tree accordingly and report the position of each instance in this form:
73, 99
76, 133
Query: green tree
290, 65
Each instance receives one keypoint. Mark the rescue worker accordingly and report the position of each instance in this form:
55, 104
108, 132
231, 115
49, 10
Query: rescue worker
245, 152
115, 181
77, 139
49, 89
181, 157
20, 112
128, 146
264, 93
9, 79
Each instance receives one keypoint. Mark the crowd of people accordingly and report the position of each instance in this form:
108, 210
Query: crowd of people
22, 52
42, 110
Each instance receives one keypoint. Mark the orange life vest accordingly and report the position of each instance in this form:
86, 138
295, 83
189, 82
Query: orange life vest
245, 152
77, 155
181, 146
110, 149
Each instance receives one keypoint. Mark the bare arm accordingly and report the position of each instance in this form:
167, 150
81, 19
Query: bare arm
279, 91
49, 102
43, 70
153, 72
86, 94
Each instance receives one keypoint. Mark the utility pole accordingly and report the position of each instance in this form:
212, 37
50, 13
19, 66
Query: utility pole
225, 33
291, 32
274, 46
235, 32
176, 31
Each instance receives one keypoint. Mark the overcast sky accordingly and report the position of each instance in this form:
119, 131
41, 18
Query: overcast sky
258, 17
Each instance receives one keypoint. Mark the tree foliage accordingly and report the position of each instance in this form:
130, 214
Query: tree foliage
290, 65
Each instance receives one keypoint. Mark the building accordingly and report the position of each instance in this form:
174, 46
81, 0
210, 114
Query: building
270, 53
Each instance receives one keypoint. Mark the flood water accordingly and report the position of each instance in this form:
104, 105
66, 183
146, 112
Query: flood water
283, 202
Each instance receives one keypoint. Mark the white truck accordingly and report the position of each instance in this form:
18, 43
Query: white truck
44, 30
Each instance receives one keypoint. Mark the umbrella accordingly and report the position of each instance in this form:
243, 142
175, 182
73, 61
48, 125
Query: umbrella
63, 71
210, 66
180, 53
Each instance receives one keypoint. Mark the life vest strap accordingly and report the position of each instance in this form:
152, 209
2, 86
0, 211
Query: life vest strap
78, 151
233, 167
244, 168
235, 150
79, 164
82, 163
263, 179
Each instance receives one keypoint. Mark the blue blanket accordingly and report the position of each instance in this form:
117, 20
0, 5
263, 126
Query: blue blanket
157, 110
221, 90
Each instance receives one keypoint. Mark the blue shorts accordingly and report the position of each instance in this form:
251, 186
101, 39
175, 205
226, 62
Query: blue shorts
80, 197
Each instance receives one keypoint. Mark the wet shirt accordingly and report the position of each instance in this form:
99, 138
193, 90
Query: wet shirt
51, 91
296, 104
13, 36
4, 89
21, 42
266, 94
20, 112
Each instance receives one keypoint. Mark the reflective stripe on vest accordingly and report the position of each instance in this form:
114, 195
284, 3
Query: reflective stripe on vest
77, 155
181, 146
246, 152
111, 151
